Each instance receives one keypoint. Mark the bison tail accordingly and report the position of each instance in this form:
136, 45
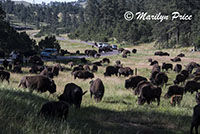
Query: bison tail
84, 93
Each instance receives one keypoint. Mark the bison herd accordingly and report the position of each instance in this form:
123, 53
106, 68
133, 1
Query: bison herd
147, 90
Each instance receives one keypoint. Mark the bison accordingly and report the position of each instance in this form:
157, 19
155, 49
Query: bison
133, 81
180, 78
185, 73
94, 68
153, 62
4, 75
126, 71
98, 63
160, 79
176, 59
72, 94
104, 60
140, 85
192, 86
35, 69
148, 94
39, 83
55, 109
118, 62
195, 119
166, 66
178, 68
174, 90
83, 74
97, 89
181, 55
111, 70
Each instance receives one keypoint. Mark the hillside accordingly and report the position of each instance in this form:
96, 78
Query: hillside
117, 113
25, 3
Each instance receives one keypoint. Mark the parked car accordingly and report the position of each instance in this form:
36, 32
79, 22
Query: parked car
106, 45
100, 45
114, 47
49, 53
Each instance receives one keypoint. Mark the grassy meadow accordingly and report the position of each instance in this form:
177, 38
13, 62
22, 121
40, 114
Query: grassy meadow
117, 113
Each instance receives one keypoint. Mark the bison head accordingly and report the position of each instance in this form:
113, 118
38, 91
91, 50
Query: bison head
98, 97
141, 100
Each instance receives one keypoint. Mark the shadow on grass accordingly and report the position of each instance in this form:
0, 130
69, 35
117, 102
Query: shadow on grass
19, 111
127, 122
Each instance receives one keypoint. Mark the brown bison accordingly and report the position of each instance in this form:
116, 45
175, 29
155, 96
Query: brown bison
94, 68
97, 89
4, 75
55, 109
176, 59
178, 68
148, 94
35, 69
160, 53
156, 67
124, 55
126, 71
153, 62
120, 50
180, 78
195, 119
181, 55
111, 70
133, 81
83, 74
104, 60
185, 73
39, 83
98, 63
77, 68
126, 52
174, 90
72, 94
166, 66
118, 62
192, 86
140, 85
160, 79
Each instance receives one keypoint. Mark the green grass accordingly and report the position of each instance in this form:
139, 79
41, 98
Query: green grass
117, 113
